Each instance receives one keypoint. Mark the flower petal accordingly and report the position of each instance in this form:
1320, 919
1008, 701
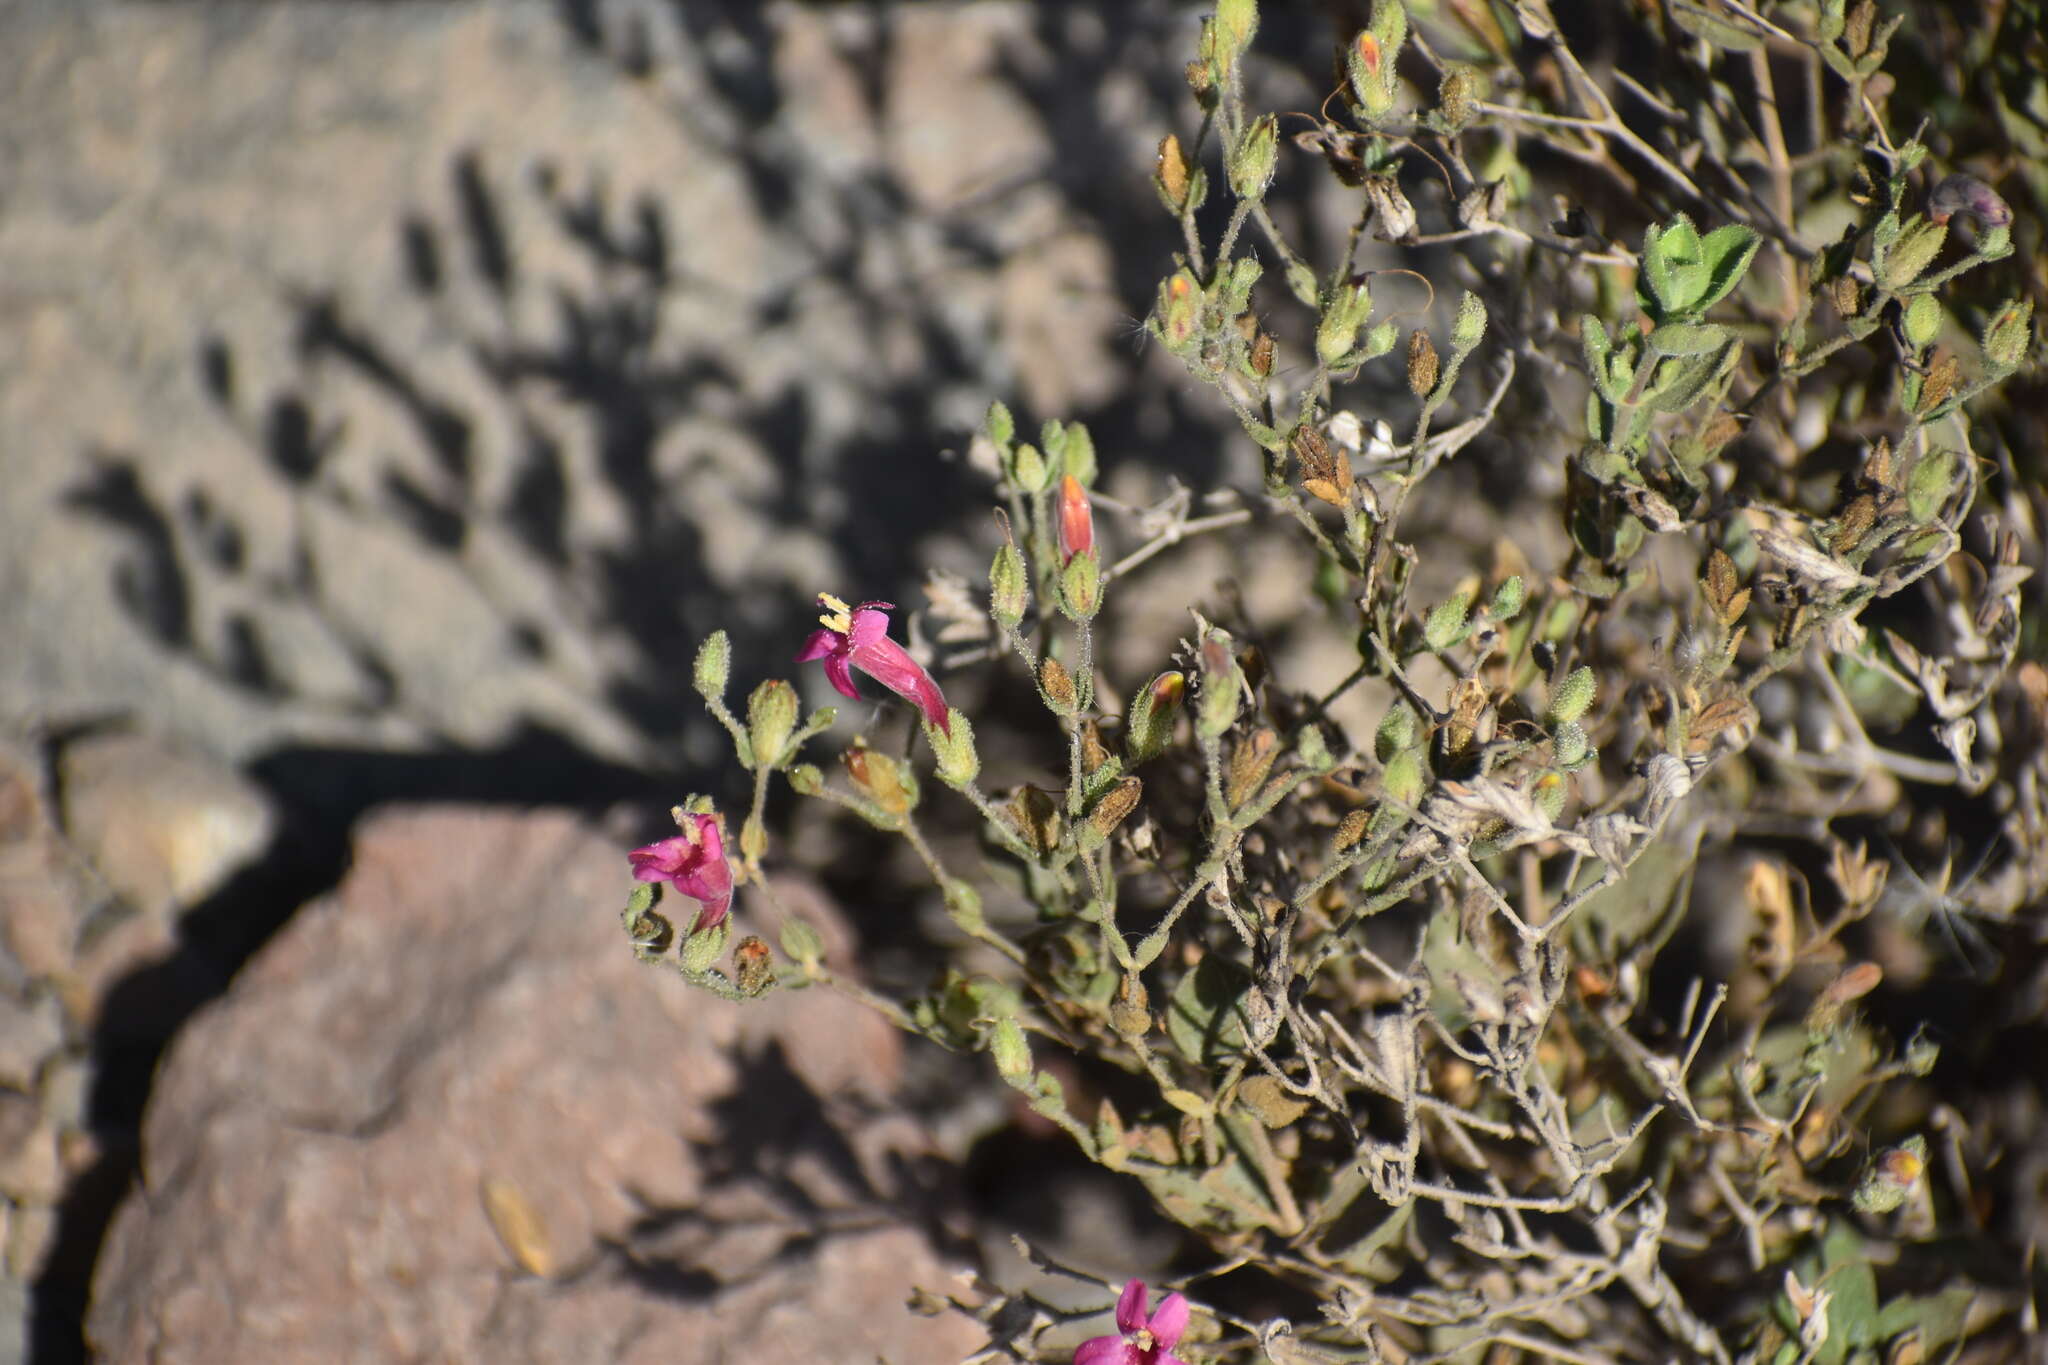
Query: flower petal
657, 862
1170, 1321
1106, 1351
889, 664
1130, 1307
821, 643
871, 623
841, 677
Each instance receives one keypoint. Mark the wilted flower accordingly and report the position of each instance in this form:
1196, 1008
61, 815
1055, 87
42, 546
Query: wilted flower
858, 637
1144, 1340
694, 861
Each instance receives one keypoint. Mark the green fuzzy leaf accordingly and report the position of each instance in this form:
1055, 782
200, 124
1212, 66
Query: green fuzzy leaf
1687, 339
1202, 1015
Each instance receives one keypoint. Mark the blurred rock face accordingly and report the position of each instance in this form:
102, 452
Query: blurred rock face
407, 374
445, 1115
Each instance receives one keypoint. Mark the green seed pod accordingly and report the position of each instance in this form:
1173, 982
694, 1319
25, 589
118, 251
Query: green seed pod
1445, 625
1923, 321
1404, 778
805, 779
2009, 335
1918, 244
1222, 686
1009, 585
1081, 587
1056, 685
1396, 732
800, 942
1235, 23
1344, 312
1929, 485
963, 905
1569, 744
714, 666
1573, 695
1252, 159
771, 720
1007, 1044
1470, 326
958, 762
1379, 340
704, 947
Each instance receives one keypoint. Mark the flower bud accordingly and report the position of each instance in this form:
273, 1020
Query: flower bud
1009, 586
1172, 178
1028, 469
1379, 340
1891, 1176
1372, 57
1148, 725
999, 426
1508, 598
1548, 792
771, 720
805, 779
714, 666
1177, 316
1222, 686
1076, 521
704, 947
958, 762
1251, 161
1572, 696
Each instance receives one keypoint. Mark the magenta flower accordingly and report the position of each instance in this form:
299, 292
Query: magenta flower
1145, 1341
858, 637
695, 862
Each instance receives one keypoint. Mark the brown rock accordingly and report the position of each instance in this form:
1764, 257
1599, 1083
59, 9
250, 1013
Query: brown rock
451, 1075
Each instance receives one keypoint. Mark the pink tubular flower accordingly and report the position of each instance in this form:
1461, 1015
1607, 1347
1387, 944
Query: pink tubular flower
858, 637
695, 862
1145, 1341
1076, 521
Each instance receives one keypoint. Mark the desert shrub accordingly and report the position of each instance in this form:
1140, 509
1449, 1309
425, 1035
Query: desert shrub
1416, 1018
